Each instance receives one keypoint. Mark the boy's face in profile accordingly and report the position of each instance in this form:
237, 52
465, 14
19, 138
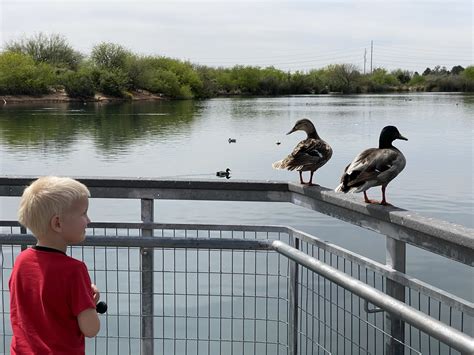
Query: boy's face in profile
74, 222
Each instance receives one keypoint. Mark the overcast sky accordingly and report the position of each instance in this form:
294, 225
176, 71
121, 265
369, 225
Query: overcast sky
290, 35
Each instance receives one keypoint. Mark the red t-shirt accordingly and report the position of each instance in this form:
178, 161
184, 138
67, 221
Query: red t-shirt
48, 290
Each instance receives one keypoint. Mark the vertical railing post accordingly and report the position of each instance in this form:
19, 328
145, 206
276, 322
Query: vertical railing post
23, 231
146, 265
293, 302
396, 259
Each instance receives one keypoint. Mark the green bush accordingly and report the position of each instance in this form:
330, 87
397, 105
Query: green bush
110, 82
19, 75
468, 79
79, 84
164, 82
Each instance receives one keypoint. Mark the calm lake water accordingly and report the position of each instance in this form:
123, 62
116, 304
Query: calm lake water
189, 139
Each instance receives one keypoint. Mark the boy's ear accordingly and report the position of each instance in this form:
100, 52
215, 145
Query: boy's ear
55, 223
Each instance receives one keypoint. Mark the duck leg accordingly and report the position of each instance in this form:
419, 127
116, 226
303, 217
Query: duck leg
367, 200
310, 183
301, 178
384, 201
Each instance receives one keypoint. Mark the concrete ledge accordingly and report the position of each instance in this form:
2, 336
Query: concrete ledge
447, 239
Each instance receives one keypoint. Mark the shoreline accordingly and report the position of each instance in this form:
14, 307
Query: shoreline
142, 95
61, 96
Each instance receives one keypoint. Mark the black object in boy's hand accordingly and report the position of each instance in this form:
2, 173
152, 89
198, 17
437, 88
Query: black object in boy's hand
101, 307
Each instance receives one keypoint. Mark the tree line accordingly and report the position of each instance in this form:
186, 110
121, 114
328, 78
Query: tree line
42, 63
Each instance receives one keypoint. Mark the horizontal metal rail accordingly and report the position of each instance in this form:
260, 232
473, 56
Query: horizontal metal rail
443, 238
428, 290
433, 327
427, 324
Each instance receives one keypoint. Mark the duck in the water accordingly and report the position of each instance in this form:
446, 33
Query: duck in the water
225, 173
374, 166
309, 155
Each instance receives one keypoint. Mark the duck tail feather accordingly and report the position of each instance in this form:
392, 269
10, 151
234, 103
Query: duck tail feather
278, 165
343, 188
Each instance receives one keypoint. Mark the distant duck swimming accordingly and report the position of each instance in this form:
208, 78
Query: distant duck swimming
374, 166
225, 173
309, 155
232, 140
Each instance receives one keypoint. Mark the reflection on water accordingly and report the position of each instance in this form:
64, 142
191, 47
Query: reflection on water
189, 139
111, 127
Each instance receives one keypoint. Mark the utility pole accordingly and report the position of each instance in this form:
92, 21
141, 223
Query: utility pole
365, 58
371, 54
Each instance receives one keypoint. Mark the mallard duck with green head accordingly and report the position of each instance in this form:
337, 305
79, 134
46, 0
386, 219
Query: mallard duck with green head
309, 155
374, 166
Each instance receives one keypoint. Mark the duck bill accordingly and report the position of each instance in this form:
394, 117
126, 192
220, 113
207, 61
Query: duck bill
290, 132
402, 138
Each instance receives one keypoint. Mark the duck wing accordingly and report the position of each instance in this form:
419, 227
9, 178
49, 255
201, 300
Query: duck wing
309, 154
373, 167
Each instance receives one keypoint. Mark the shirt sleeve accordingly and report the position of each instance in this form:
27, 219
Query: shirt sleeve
81, 291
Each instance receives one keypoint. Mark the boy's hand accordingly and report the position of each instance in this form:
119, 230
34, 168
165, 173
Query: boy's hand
95, 293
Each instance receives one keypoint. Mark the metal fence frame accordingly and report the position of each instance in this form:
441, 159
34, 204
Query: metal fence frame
399, 227
448, 335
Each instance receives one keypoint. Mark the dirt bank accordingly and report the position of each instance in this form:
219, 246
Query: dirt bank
61, 96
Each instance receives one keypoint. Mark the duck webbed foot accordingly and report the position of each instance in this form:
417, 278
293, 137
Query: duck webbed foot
367, 200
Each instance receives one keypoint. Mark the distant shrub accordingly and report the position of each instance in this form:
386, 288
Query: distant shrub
110, 82
164, 82
468, 79
444, 82
417, 80
79, 84
19, 75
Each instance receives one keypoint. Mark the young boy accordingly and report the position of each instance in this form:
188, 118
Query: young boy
52, 299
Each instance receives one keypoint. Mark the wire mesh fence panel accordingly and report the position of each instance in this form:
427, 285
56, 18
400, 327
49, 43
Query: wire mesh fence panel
239, 301
333, 320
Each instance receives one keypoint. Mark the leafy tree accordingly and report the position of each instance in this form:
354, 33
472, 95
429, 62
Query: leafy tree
380, 76
456, 70
247, 78
300, 83
226, 82
316, 80
438, 70
403, 76
417, 80
110, 56
208, 77
468, 73
137, 71
426, 72
272, 82
467, 76
342, 78
52, 49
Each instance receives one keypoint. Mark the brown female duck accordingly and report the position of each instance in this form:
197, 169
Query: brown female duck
309, 155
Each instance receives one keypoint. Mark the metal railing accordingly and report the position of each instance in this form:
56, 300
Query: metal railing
306, 296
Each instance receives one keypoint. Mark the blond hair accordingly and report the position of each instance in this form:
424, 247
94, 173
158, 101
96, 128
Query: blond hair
46, 197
